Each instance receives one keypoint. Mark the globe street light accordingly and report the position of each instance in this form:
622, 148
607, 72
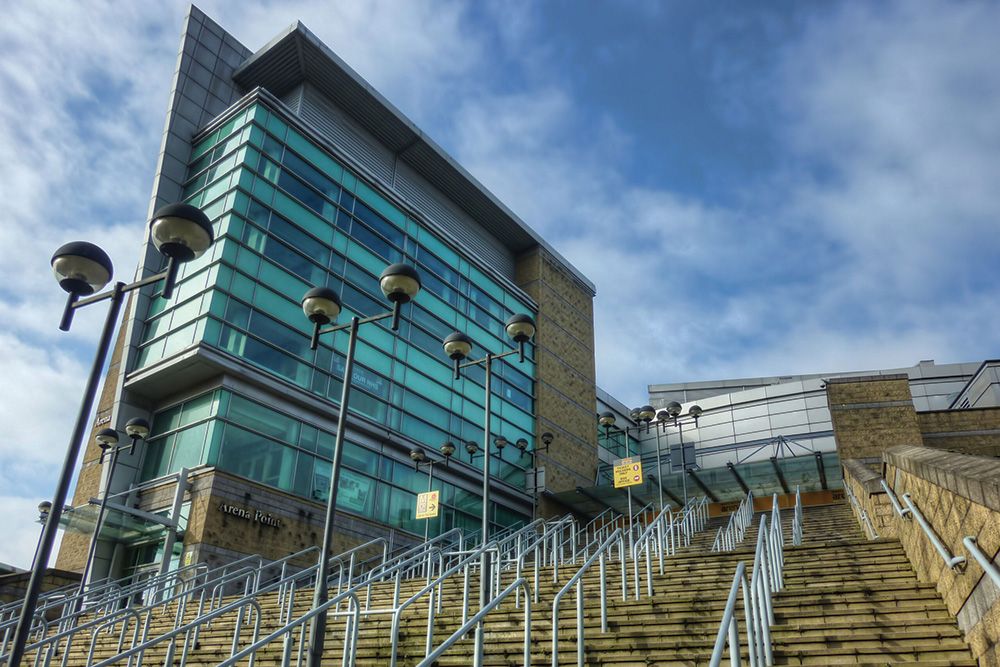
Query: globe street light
458, 346
400, 283
181, 233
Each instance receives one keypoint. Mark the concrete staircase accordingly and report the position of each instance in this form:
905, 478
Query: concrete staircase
846, 601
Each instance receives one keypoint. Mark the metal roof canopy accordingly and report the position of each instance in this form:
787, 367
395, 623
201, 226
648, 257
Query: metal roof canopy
296, 55
811, 472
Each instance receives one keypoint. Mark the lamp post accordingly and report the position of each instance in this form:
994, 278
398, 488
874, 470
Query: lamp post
522, 445
673, 412
107, 438
44, 508
321, 305
458, 346
181, 233
420, 459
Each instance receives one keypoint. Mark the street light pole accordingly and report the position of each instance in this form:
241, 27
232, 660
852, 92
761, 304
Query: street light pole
420, 459
673, 411
107, 438
181, 233
522, 444
458, 346
321, 305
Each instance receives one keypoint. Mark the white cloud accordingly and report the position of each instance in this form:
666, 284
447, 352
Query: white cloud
21, 530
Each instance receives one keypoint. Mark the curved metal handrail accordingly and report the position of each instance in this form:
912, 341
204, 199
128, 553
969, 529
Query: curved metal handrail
951, 561
477, 619
578, 580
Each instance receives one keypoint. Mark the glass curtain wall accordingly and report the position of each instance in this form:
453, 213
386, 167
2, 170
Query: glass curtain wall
288, 216
250, 440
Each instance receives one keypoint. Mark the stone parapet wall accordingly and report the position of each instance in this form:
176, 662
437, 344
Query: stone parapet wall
975, 431
959, 495
866, 486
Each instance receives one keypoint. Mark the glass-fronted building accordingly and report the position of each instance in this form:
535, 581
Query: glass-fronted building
311, 179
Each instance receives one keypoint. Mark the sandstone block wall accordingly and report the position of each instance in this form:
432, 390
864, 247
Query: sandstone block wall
872, 499
959, 495
872, 413
566, 394
975, 431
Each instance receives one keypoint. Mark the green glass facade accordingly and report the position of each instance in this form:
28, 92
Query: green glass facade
289, 216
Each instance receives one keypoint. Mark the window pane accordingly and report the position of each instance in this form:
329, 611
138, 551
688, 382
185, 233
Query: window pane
255, 457
259, 418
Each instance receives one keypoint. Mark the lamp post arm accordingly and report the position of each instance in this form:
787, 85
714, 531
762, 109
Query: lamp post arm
62, 487
488, 358
348, 325
124, 289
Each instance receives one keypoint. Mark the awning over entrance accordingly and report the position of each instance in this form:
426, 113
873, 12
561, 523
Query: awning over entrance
814, 472
121, 524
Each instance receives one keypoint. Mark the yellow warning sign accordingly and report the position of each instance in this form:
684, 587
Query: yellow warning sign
427, 505
628, 472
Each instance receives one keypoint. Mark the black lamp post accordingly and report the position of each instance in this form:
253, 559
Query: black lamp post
673, 411
400, 284
458, 346
44, 508
522, 445
107, 438
181, 233
420, 459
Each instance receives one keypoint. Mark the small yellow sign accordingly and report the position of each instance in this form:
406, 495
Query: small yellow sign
427, 505
627, 473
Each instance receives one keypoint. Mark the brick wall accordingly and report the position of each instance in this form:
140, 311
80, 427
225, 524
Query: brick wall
959, 495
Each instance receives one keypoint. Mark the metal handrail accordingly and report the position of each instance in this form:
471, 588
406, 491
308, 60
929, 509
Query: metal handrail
478, 618
737, 525
397, 611
69, 629
951, 561
351, 594
860, 510
797, 520
350, 633
578, 580
664, 519
423, 546
757, 603
892, 498
597, 518
729, 627
51, 643
982, 559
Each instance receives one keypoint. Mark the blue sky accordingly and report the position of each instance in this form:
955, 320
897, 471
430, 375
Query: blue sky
763, 188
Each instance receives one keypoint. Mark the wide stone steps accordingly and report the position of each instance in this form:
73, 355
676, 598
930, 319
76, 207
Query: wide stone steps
846, 601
